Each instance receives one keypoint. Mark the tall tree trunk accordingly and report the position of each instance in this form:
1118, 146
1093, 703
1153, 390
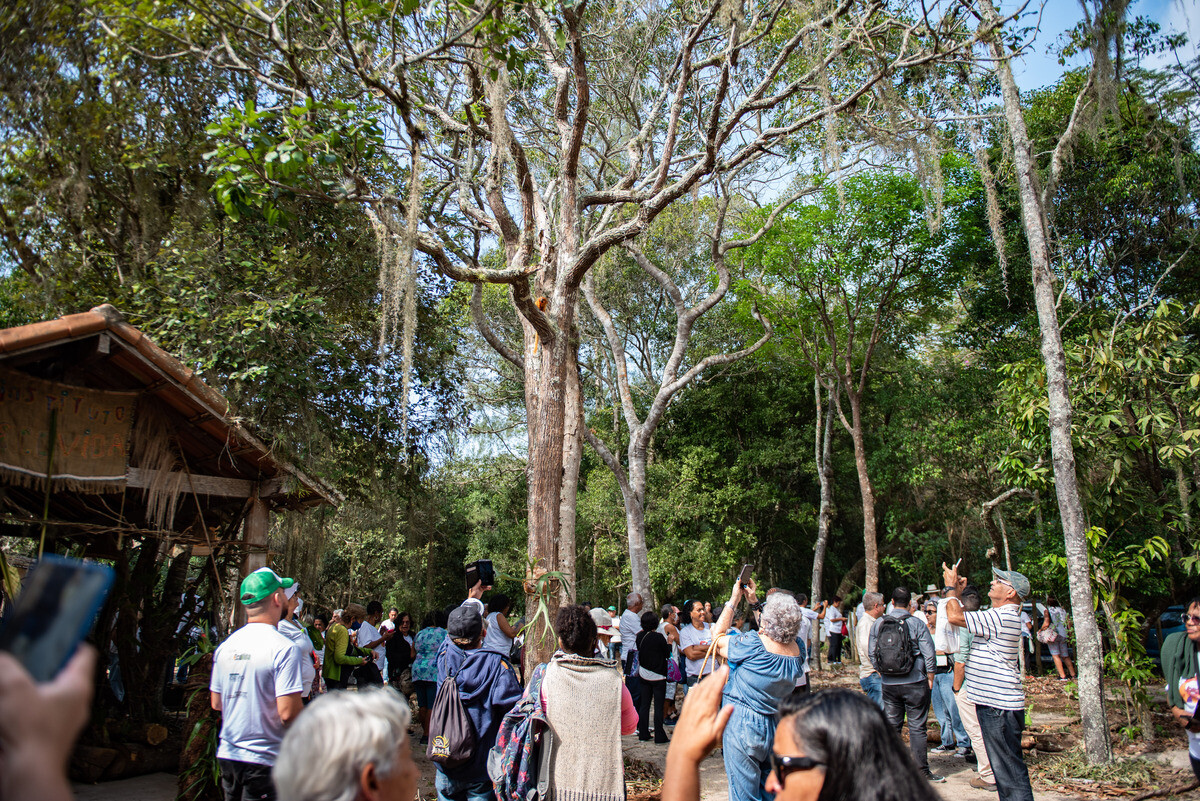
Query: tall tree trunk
546, 395
1070, 505
870, 537
823, 448
572, 456
635, 521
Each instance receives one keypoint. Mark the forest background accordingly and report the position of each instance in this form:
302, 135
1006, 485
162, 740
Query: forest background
881, 331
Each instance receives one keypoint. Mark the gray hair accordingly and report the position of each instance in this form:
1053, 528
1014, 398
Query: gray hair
872, 600
325, 751
781, 618
631, 600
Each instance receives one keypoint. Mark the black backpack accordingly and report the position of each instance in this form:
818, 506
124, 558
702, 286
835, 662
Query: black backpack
452, 735
893, 647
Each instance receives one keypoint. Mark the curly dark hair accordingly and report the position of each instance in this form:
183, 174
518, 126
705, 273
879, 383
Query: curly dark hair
576, 629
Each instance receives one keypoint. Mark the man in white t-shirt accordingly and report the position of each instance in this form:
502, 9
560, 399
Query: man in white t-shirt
631, 627
806, 634
256, 685
993, 677
372, 639
868, 677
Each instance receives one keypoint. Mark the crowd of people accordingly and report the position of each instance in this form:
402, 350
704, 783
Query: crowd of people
739, 680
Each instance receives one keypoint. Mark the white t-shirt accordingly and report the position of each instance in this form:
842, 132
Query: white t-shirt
689, 635
1026, 622
833, 625
1190, 694
304, 651
945, 633
368, 634
631, 626
254, 666
805, 635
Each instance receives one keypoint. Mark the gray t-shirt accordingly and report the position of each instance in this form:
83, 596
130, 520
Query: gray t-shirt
631, 626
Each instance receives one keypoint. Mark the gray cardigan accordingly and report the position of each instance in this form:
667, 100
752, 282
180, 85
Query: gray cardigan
921, 637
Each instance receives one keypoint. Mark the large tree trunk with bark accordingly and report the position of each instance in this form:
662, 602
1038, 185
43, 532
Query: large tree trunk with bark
823, 448
870, 536
1070, 504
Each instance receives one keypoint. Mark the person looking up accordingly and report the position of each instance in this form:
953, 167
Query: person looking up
349, 746
985, 780
256, 685
906, 694
868, 676
604, 632
993, 676
955, 738
588, 709
694, 640
807, 636
763, 669
500, 633
488, 688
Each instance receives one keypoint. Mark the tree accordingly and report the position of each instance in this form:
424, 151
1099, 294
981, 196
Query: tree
866, 271
1104, 26
500, 105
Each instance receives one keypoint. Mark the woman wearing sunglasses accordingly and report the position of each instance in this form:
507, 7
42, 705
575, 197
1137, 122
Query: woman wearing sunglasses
831, 746
1181, 666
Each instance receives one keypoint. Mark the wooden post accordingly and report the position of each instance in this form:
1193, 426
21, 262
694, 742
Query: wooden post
254, 536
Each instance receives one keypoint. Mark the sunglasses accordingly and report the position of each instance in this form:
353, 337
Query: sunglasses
1191, 619
784, 765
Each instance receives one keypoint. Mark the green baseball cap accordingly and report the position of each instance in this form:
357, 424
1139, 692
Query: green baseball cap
261, 583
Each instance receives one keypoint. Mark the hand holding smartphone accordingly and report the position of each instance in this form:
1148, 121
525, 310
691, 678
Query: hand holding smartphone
54, 612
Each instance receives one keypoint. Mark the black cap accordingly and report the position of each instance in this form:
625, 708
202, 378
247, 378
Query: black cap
465, 623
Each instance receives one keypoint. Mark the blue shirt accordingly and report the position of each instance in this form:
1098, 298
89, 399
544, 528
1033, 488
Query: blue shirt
759, 679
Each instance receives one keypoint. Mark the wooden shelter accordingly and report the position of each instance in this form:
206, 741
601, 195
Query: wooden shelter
112, 448
191, 467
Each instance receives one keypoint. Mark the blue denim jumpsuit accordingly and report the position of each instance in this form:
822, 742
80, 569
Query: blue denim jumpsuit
758, 681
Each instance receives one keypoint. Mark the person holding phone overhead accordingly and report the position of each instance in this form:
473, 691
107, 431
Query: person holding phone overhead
256, 685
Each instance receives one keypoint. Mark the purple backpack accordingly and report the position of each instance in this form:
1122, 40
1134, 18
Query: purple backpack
519, 763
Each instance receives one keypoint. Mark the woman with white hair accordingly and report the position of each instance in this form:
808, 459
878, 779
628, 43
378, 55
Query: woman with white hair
763, 668
348, 746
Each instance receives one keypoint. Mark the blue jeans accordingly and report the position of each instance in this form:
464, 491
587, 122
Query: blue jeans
463, 790
945, 708
1001, 730
746, 749
873, 686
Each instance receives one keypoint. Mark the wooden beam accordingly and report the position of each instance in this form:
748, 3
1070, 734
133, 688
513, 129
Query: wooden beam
140, 478
254, 534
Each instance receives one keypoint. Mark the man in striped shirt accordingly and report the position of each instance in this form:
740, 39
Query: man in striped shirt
993, 675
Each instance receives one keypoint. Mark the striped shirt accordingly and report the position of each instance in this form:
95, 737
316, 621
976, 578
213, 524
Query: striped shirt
993, 677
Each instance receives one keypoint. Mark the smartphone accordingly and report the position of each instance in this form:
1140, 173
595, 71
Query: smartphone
54, 612
744, 578
483, 571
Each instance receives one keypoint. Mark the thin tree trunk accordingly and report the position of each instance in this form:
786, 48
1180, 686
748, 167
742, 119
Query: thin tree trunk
823, 448
1070, 505
870, 537
635, 523
572, 456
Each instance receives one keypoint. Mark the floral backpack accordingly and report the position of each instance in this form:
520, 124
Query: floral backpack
519, 763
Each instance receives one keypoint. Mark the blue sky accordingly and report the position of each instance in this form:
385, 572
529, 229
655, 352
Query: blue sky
1040, 66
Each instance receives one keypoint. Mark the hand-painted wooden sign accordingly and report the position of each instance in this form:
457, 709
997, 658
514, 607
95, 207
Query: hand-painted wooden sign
91, 433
